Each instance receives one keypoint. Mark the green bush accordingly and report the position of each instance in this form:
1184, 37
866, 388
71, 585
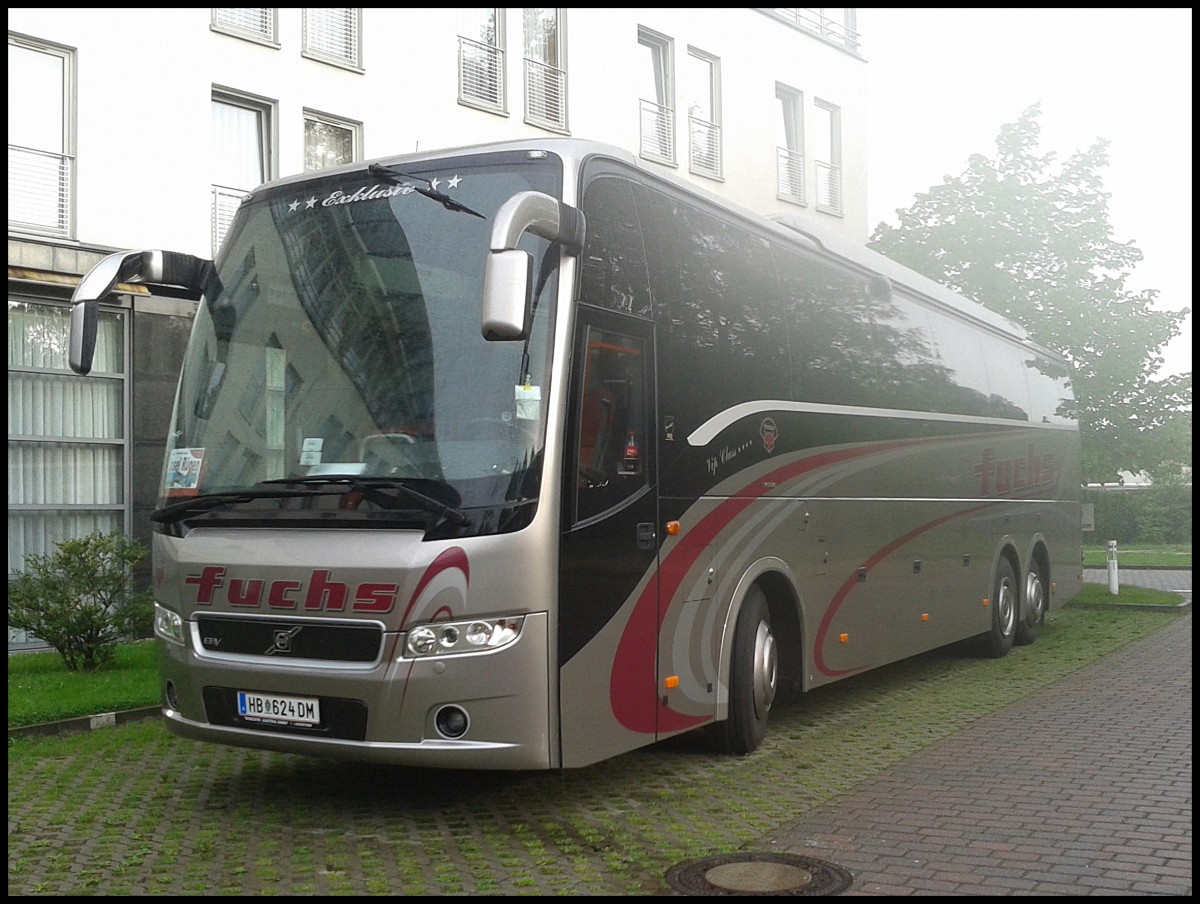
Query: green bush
1150, 515
79, 600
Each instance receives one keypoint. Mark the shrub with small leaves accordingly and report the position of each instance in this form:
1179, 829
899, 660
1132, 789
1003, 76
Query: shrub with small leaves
79, 599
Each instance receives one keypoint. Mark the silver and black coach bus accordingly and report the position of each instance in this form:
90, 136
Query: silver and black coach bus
520, 456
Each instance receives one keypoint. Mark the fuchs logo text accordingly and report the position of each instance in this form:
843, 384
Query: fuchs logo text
318, 593
998, 476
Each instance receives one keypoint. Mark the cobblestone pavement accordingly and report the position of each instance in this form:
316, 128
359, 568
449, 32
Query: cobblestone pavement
1084, 788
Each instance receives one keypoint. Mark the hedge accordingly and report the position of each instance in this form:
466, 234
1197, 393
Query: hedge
1141, 515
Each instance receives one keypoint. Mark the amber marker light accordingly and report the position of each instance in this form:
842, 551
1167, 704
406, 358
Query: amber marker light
673, 528
671, 682
843, 637
985, 602
924, 616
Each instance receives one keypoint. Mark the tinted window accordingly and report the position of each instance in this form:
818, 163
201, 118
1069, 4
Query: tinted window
613, 263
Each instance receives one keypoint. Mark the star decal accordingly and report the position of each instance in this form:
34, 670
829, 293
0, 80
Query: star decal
310, 203
293, 207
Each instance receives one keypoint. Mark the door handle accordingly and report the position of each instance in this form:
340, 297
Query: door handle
646, 535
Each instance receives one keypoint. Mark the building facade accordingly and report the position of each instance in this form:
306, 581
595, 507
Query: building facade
143, 128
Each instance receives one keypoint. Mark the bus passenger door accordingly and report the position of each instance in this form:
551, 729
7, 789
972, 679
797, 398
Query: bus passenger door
608, 582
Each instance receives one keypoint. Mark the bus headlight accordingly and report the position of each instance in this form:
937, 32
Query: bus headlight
475, 636
168, 625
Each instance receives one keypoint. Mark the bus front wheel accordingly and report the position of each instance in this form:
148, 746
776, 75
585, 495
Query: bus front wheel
753, 678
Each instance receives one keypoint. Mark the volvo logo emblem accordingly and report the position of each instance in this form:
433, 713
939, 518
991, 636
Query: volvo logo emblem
281, 639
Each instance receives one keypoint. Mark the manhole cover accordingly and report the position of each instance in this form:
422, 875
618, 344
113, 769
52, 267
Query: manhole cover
758, 874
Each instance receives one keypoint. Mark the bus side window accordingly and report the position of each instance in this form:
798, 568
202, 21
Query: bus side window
594, 431
611, 428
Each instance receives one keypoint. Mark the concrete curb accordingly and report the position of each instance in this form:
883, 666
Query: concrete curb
1183, 604
84, 723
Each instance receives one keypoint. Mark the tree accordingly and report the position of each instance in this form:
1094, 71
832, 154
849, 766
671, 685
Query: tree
78, 599
1035, 245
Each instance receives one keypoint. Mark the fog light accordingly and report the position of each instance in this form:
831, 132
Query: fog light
452, 722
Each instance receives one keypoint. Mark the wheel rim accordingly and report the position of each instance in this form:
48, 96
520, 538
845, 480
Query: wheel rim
1006, 611
766, 668
1035, 597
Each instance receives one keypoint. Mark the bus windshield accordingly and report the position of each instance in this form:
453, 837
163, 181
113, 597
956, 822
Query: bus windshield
344, 341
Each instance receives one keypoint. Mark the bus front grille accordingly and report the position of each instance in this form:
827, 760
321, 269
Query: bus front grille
326, 640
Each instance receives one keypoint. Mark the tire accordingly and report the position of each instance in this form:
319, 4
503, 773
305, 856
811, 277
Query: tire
1034, 605
998, 639
753, 679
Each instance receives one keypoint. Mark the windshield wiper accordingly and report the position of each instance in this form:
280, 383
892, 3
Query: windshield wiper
386, 172
373, 487
195, 505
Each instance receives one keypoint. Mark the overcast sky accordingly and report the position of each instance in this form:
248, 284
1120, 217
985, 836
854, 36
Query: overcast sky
943, 81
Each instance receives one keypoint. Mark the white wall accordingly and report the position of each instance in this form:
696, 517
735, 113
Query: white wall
145, 79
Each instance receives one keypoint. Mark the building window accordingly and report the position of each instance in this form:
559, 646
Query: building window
828, 154
481, 60
329, 141
704, 113
789, 143
41, 138
334, 35
241, 155
257, 23
657, 97
66, 434
545, 69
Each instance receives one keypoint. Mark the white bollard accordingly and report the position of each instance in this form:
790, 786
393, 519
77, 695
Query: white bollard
1113, 586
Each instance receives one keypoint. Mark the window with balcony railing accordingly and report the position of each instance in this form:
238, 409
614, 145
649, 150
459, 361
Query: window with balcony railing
545, 96
41, 138
334, 35
790, 175
253, 23
704, 148
657, 139
704, 113
481, 59
789, 140
829, 187
545, 72
828, 122
656, 108
241, 155
480, 75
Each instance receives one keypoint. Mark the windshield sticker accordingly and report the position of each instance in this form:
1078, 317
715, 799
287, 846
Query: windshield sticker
528, 400
367, 193
183, 472
311, 453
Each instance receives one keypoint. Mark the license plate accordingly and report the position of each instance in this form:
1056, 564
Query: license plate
278, 709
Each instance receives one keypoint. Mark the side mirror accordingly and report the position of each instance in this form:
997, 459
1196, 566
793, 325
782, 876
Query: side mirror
193, 275
507, 278
96, 285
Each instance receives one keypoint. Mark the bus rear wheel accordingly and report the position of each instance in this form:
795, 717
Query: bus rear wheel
998, 639
753, 679
1029, 625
